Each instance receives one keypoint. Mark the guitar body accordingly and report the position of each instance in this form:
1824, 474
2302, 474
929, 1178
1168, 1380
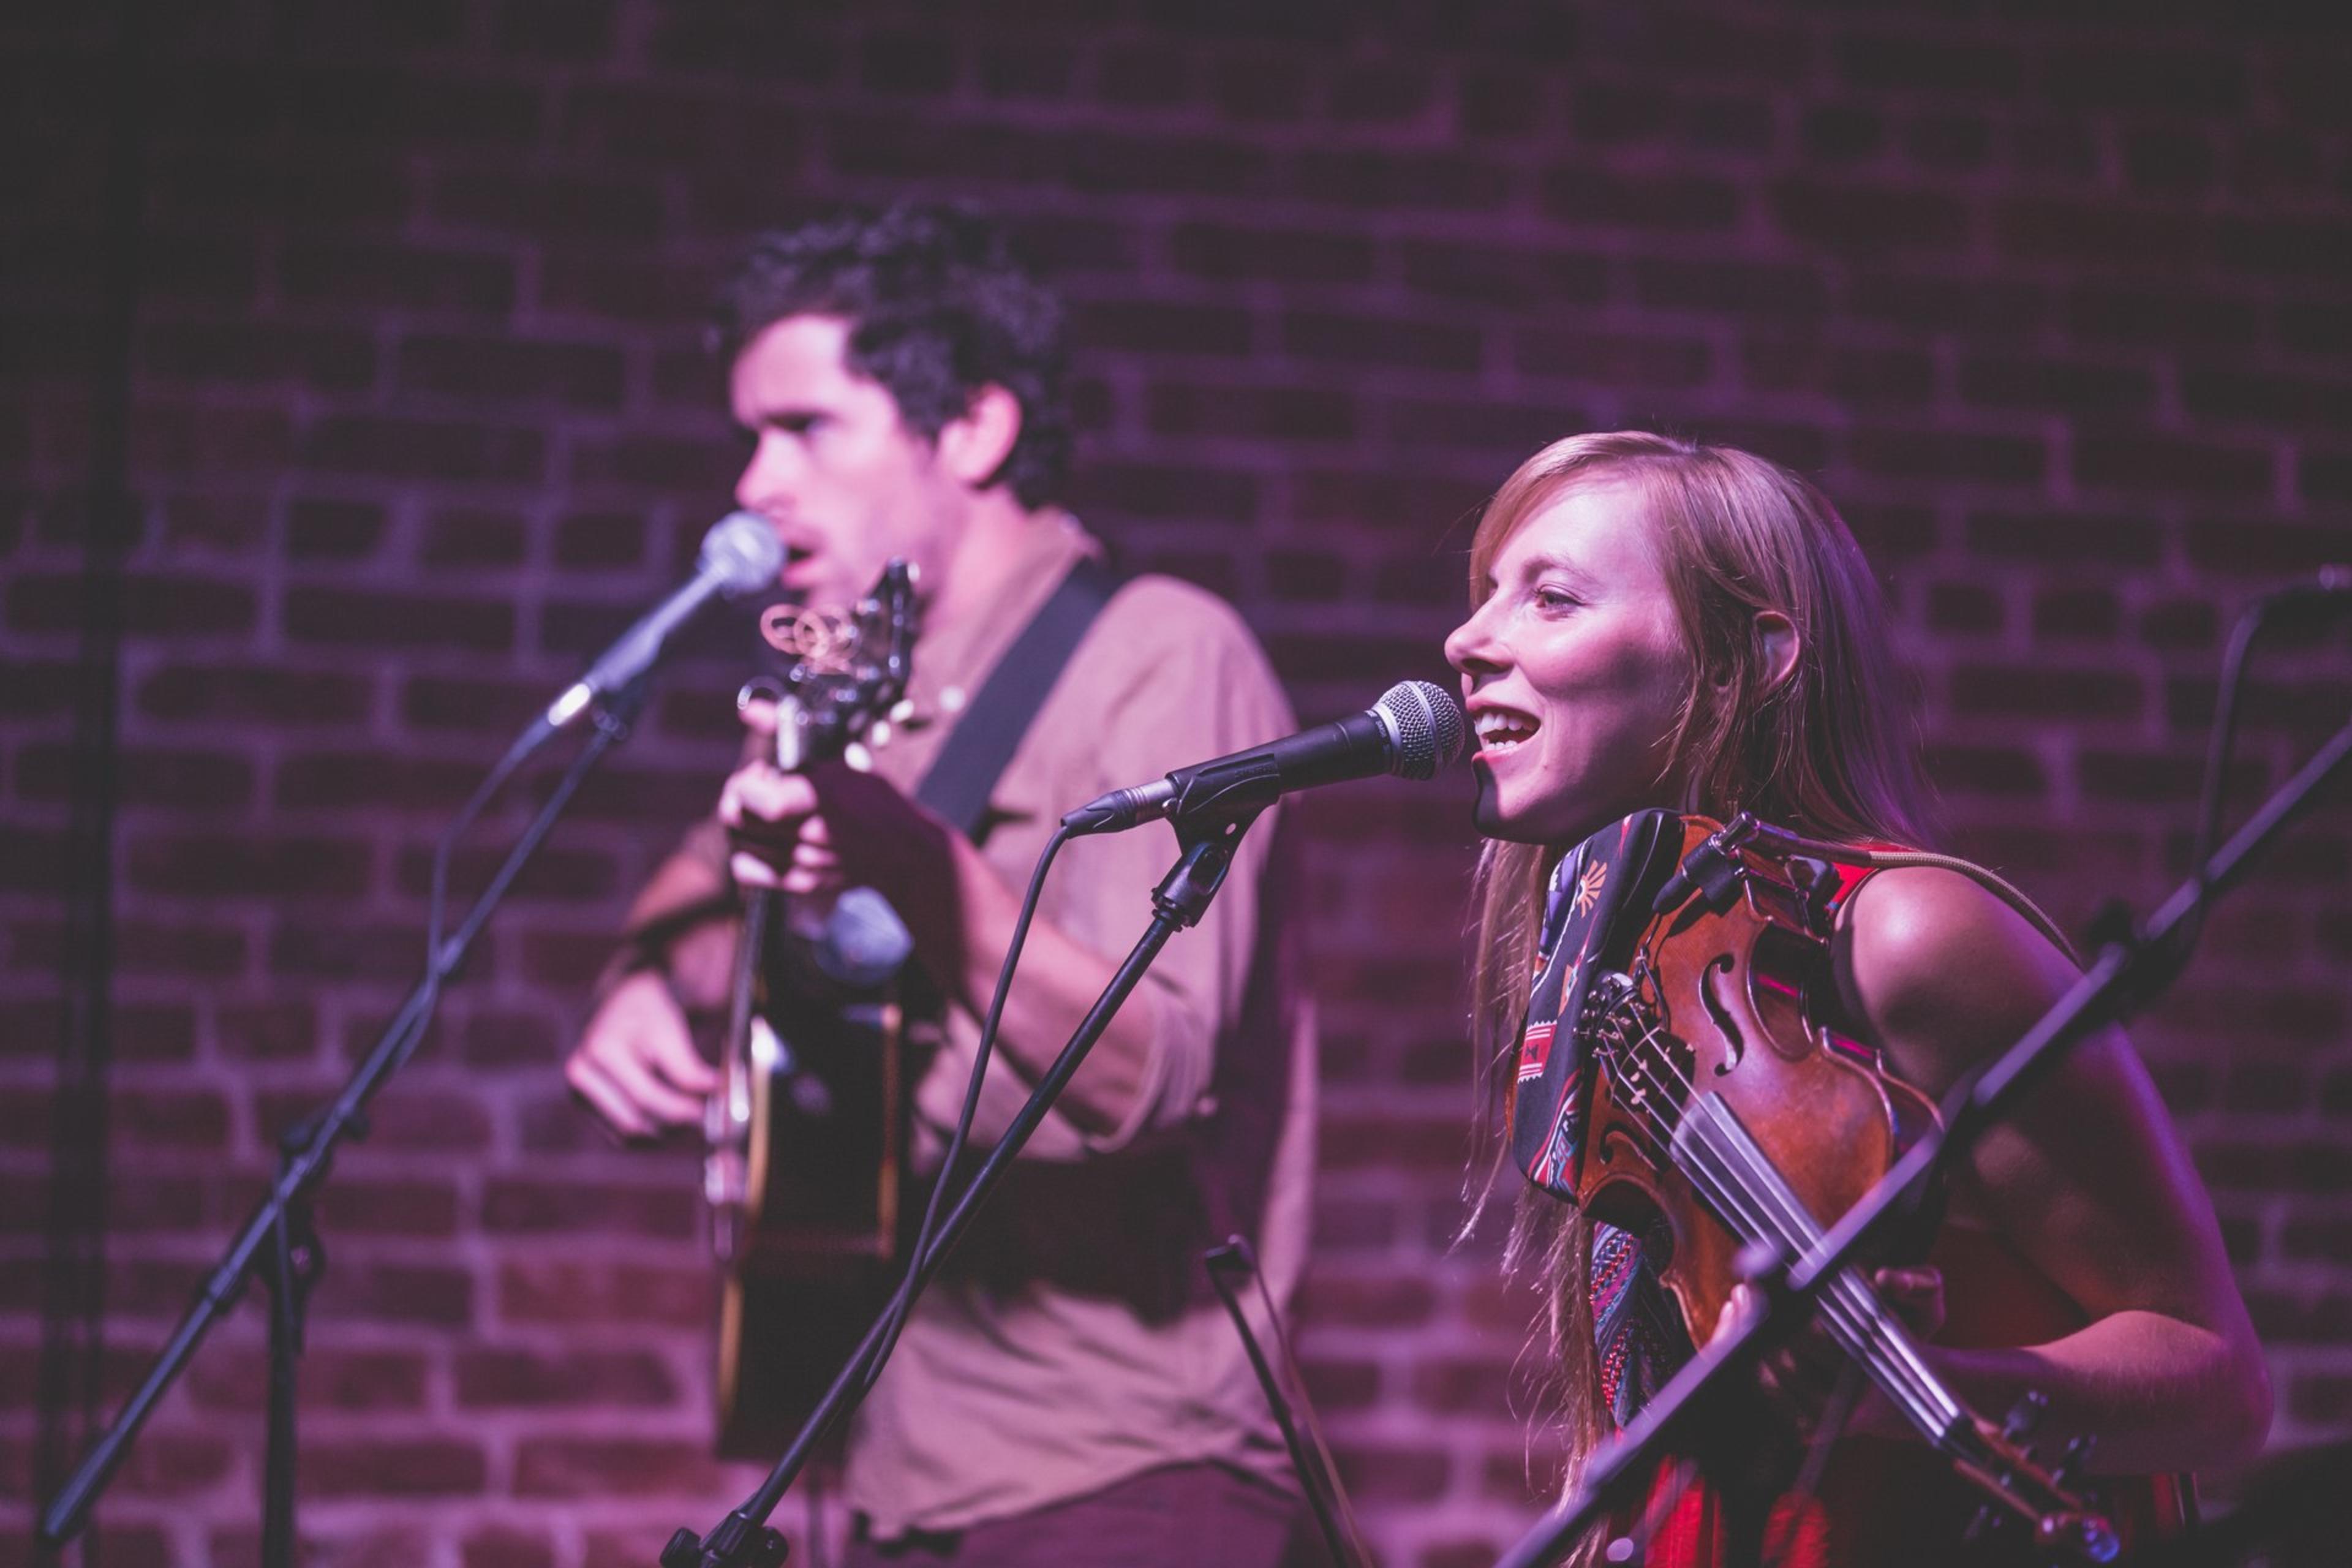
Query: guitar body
815, 1252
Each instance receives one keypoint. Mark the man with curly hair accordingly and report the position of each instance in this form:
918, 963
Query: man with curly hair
1067, 1391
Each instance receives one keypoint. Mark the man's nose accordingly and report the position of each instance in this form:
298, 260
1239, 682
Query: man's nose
765, 483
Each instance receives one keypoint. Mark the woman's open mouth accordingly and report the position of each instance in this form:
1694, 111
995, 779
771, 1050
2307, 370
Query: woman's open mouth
1502, 732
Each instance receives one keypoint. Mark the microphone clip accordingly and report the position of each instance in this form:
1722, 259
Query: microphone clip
1228, 792
1209, 841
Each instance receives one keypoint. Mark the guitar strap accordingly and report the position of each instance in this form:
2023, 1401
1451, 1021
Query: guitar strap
957, 786
865, 941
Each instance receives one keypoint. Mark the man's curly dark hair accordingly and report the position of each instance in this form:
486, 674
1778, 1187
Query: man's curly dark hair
939, 304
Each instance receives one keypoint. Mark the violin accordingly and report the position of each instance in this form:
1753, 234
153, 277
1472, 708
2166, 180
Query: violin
1729, 1108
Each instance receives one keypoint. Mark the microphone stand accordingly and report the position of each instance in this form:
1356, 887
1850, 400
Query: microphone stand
1324, 1497
2133, 965
280, 1241
744, 1538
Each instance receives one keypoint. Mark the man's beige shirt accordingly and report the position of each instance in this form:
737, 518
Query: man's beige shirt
1007, 1396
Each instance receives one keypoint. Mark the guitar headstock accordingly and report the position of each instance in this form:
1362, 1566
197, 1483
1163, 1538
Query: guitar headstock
849, 669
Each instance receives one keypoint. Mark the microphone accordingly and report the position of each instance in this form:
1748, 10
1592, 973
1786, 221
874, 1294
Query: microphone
740, 554
1412, 730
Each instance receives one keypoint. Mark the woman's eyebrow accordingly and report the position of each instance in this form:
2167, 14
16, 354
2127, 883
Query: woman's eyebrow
1541, 565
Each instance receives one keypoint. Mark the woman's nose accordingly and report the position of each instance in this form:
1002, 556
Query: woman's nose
1472, 648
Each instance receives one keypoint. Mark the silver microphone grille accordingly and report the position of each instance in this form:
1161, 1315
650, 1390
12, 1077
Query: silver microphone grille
1427, 723
743, 552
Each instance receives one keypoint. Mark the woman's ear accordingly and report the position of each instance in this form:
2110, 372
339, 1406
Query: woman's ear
974, 445
1776, 638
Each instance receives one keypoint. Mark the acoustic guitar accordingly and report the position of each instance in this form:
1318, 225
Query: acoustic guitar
807, 1133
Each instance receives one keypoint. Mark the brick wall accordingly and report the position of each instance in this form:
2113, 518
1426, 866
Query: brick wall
2056, 308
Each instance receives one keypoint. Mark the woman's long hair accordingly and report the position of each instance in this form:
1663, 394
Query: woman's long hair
1830, 750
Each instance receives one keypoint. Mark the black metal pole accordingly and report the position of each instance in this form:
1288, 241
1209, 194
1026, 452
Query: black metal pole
308, 1151
74, 1284
1235, 1253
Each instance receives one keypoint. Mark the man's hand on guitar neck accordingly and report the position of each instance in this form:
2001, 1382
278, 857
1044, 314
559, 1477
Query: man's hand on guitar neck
811, 834
777, 812
636, 1063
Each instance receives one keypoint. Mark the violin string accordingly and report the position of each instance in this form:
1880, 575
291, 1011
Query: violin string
1875, 1340
1749, 1197
1870, 1332
1851, 1321
1744, 1184
1851, 1306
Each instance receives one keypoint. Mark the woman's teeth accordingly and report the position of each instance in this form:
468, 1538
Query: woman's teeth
1500, 731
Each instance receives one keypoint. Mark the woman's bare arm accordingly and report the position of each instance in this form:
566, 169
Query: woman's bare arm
2089, 1180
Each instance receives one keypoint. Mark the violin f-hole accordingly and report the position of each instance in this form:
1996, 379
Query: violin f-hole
1733, 1047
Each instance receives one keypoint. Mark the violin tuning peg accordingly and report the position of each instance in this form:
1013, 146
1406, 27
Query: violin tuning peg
901, 710
2072, 1458
2024, 1415
878, 735
2078, 1538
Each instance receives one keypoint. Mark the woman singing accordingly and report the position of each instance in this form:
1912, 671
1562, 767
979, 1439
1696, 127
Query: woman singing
1664, 625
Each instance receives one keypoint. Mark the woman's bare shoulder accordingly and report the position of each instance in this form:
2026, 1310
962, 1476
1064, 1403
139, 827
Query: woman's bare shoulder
1941, 972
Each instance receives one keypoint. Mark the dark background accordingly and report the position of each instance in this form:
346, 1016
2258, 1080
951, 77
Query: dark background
391, 344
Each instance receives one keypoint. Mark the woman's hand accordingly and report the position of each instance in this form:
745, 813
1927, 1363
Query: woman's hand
1800, 1376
